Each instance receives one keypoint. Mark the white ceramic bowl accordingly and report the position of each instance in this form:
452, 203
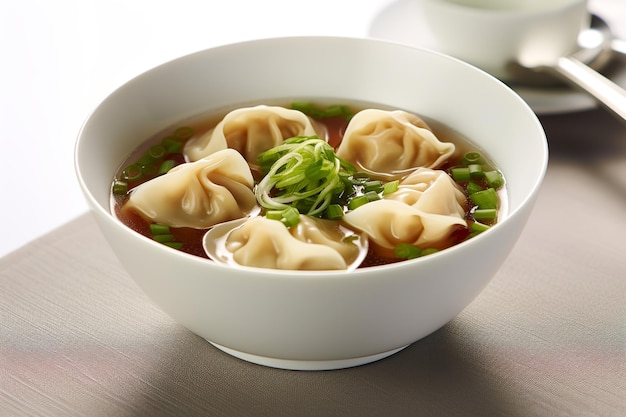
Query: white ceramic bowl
314, 320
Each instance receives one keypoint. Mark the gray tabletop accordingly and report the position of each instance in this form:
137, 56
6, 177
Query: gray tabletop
546, 338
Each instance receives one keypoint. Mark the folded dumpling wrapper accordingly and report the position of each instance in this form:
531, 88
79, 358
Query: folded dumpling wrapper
313, 244
251, 131
427, 207
390, 144
198, 194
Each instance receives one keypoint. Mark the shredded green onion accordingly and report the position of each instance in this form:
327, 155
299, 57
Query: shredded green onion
304, 173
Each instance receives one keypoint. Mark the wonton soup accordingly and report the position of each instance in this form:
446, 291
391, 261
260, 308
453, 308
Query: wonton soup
307, 186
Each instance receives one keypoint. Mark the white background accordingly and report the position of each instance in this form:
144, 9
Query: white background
60, 58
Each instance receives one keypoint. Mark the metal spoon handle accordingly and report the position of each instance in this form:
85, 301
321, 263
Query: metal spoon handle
609, 94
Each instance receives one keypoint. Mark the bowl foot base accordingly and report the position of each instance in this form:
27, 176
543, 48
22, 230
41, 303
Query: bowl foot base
304, 365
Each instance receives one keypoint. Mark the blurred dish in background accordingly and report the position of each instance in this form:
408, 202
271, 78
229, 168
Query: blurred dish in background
403, 21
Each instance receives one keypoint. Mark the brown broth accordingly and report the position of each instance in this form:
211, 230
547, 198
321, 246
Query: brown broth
336, 126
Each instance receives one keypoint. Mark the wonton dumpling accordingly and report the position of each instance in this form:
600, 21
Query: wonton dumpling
389, 144
425, 210
252, 130
314, 244
198, 194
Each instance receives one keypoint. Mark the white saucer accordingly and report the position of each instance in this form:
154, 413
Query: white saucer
402, 21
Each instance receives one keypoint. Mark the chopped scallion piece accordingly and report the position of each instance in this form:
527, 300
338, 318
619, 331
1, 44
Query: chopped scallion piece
472, 157
162, 238
132, 172
166, 166
429, 251
183, 133
460, 174
274, 214
357, 202
334, 212
407, 251
375, 186
157, 152
477, 227
475, 170
472, 187
171, 144
174, 245
321, 113
145, 161
391, 187
159, 229
120, 187
494, 179
291, 217
372, 196
485, 199
485, 214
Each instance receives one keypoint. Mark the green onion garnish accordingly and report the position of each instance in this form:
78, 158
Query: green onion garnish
391, 187
303, 172
291, 217
171, 144
485, 199
163, 238
159, 229
475, 170
183, 133
460, 174
157, 151
407, 251
322, 113
120, 187
485, 214
357, 202
334, 212
477, 227
494, 179
175, 245
473, 187
166, 166
132, 172
472, 157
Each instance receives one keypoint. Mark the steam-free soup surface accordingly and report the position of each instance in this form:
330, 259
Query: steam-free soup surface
165, 150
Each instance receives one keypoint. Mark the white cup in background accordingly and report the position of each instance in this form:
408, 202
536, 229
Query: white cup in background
491, 33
